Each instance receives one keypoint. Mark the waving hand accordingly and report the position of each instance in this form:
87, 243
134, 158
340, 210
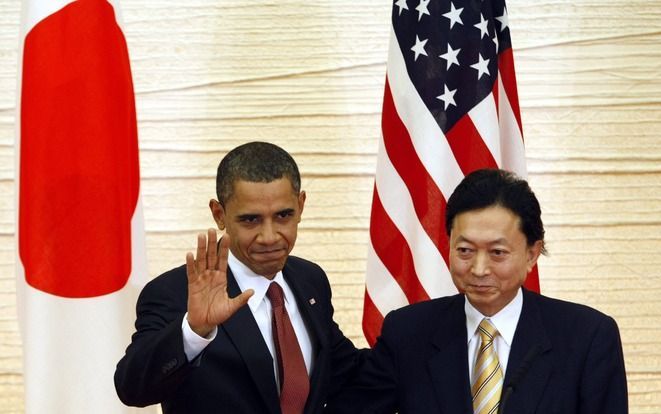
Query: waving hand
208, 302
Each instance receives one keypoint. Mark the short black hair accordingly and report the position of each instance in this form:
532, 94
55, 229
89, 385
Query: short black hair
260, 162
493, 187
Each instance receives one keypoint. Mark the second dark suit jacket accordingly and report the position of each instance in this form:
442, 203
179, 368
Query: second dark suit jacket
419, 364
234, 374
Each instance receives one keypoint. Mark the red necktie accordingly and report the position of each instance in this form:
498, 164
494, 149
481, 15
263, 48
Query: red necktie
294, 382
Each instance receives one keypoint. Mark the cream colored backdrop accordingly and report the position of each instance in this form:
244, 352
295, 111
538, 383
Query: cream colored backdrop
309, 75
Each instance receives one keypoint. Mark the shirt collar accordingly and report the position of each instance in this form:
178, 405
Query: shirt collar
504, 321
247, 279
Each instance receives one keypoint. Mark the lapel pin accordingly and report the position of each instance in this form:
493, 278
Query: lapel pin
312, 301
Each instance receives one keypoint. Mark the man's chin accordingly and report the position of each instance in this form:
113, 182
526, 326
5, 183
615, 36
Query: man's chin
268, 268
480, 296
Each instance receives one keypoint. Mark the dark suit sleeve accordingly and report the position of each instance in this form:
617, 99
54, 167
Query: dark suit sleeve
604, 383
374, 389
344, 357
155, 363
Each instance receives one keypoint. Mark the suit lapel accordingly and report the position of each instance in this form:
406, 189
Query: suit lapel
306, 301
304, 292
242, 329
530, 342
449, 367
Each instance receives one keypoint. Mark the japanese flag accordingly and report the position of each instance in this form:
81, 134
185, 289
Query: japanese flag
81, 250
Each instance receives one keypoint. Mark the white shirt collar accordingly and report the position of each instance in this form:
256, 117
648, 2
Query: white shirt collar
247, 279
504, 321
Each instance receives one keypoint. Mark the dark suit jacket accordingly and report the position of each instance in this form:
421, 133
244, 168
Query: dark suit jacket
420, 362
234, 374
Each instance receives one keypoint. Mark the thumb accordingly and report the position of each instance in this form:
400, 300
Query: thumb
239, 301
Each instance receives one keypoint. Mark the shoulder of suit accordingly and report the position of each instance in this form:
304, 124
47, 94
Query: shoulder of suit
174, 280
420, 319
431, 308
296, 263
553, 307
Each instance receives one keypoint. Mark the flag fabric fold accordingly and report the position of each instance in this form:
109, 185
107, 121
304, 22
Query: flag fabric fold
81, 248
450, 107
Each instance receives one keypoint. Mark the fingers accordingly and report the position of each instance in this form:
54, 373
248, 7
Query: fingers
220, 276
212, 250
201, 254
190, 267
223, 252
205, 257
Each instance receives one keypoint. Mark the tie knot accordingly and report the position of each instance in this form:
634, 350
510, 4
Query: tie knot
275, 295
487, 331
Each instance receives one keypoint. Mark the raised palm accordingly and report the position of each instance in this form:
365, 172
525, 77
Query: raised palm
209, 304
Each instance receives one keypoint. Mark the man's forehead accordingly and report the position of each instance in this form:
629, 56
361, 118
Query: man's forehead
280, 187
482, 238
241, 183
494, 210
494, 224
262, 199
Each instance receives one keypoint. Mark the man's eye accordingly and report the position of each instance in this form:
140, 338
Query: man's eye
498, 252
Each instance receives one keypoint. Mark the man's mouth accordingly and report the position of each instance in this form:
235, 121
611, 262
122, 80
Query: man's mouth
481, 288
270, 254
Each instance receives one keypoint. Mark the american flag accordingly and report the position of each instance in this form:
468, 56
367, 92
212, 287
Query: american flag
450, 107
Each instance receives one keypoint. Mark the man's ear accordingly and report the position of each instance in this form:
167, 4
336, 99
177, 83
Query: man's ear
301, 204
218, 213
533, 254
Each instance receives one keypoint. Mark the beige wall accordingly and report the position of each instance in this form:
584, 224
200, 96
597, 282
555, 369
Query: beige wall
309, 75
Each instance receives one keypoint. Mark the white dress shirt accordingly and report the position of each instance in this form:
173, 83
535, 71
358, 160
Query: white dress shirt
504, 321
260, 306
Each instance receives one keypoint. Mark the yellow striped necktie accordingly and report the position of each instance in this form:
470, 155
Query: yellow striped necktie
488, 377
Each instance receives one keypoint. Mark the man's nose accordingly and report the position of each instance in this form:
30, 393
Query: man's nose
480, 265
268, 233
